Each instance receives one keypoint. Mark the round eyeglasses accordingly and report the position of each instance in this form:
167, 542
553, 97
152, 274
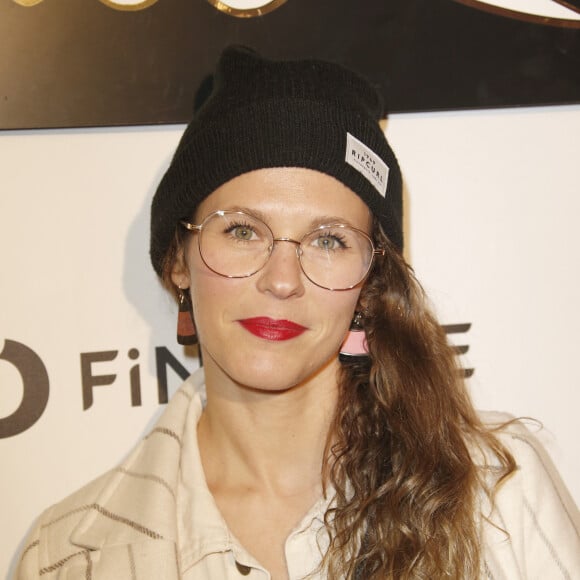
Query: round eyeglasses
235, 244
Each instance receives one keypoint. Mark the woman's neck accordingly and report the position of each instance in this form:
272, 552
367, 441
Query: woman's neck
271, 441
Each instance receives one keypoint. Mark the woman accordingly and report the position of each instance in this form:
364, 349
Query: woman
291, 454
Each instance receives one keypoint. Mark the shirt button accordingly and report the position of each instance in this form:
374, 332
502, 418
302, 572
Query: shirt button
243, 570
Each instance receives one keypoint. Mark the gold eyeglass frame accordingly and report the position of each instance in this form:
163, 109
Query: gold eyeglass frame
298, 243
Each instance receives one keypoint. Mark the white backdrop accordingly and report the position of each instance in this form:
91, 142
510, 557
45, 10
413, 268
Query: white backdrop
491, 208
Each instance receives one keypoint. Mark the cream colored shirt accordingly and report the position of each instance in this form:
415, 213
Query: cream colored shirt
207, 547
153, 517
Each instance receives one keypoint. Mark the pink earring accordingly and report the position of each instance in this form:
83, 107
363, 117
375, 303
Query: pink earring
355, 343
186, 333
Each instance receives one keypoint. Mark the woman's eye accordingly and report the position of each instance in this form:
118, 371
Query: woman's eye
329, 242
243, 233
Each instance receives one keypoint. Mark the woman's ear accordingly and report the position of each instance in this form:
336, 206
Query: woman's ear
363, 300
180, 272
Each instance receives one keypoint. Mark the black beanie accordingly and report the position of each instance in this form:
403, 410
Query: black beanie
264, 113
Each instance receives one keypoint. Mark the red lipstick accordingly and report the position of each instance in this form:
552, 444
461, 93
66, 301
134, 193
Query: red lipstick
271, 329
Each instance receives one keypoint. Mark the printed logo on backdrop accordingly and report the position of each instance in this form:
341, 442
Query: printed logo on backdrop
35, 388
456, 332
141, 61
35, 383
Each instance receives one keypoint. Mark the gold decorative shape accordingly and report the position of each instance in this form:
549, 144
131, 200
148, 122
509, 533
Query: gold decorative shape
568, 5
128, 5
27, 2
500, 9
251, 9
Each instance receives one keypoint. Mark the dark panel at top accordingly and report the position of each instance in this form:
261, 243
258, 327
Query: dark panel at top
81, 63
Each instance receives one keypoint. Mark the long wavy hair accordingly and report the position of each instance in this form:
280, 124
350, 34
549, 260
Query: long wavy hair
399, 452
401, 445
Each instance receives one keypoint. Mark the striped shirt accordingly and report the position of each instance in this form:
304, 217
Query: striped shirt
154, 518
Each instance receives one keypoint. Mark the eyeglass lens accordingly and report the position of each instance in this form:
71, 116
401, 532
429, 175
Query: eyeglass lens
236, 245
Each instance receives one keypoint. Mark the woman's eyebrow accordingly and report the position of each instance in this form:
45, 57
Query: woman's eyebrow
329, 220
315, 223
250, 211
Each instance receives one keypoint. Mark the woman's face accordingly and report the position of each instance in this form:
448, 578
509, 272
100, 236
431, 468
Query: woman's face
232, 314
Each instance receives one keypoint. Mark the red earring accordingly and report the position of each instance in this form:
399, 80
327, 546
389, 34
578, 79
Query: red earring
186, 333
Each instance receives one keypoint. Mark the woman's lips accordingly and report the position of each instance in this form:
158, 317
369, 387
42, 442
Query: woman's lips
271, 329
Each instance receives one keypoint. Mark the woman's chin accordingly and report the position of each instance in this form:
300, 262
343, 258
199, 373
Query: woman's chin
272, 373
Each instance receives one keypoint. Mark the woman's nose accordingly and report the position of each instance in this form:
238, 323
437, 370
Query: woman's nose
282, 275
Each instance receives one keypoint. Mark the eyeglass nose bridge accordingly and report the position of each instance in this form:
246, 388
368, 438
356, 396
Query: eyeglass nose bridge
297, 245
291, 240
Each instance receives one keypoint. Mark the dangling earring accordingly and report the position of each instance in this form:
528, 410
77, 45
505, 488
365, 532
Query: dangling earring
355, 343
186, 333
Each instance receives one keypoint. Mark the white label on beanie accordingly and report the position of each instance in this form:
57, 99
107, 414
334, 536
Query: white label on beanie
368, 163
